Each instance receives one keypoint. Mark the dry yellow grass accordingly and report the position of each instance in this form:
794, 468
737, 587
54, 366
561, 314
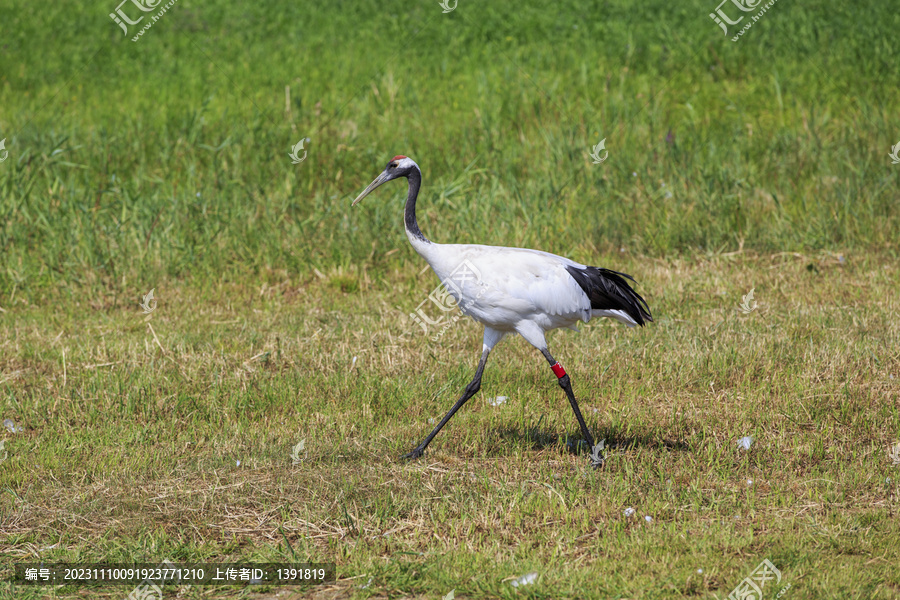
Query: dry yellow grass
134, 428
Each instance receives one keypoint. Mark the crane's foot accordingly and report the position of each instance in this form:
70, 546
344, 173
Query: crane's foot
416, 453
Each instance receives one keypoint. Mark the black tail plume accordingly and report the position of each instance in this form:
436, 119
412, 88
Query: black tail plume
608, 290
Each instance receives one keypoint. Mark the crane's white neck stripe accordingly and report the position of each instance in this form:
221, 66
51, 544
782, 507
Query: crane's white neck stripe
407, 162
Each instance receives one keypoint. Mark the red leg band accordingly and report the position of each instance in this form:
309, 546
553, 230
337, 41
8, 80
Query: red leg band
558, 370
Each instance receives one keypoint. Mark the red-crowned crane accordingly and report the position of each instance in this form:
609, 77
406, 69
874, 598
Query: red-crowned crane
515, 290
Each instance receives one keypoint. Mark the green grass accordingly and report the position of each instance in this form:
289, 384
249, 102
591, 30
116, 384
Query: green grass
164, 164
130, 450
779, 141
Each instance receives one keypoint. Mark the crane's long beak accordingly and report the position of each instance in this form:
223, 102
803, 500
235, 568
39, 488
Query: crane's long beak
378, 181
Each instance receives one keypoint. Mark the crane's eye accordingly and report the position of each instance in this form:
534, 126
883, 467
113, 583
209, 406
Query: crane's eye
393, 165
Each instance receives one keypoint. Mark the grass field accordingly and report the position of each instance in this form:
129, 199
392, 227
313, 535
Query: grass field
283, 316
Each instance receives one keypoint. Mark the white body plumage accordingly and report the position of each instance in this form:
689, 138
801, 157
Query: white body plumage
516, 290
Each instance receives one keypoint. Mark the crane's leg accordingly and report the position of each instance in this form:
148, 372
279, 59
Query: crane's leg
471, 390
565, 384
491, 337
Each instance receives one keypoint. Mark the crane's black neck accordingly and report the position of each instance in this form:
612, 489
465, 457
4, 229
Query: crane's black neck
409, 217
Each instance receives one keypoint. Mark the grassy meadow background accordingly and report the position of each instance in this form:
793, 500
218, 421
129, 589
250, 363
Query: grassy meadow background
283, 315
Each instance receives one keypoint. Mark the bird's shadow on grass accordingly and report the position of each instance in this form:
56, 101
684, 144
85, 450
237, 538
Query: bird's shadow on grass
540, 438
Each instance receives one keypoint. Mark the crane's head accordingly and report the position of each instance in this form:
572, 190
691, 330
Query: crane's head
400, 166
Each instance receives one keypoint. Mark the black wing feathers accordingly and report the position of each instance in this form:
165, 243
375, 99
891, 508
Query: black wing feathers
608, 290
